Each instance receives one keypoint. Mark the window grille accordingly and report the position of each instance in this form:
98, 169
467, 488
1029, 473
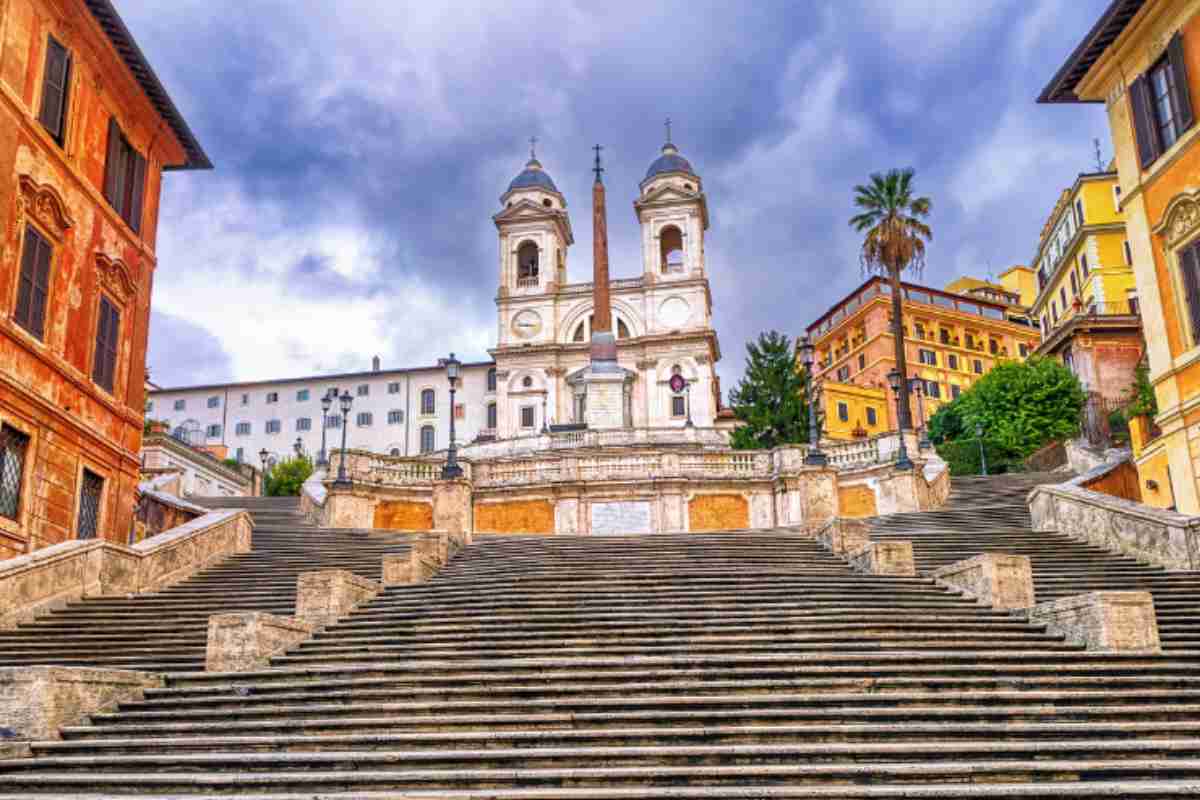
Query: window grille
13, 445
89, 505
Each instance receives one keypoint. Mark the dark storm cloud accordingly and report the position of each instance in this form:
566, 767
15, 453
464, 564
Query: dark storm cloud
361, 150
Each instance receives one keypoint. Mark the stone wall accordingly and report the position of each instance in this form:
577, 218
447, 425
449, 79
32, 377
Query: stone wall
247, 640
1105, 621
999, 580
1154, 535
856, 501
49, 578
718, 512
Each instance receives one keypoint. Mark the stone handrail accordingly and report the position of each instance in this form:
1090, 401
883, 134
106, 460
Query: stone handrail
1157, 536
53, 576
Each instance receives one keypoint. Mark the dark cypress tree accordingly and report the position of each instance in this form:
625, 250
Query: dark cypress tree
770, 398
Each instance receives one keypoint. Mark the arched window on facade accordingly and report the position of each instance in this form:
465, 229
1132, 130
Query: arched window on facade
527, 264
428, 405
427, 439
491, 379
583, 331
671, 249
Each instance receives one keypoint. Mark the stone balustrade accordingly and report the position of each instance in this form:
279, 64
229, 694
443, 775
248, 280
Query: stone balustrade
1156, 536
53, 576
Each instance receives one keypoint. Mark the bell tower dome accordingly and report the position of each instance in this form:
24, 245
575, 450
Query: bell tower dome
673, 214
535, 232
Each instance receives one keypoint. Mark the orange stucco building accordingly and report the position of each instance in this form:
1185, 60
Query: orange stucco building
86, 133
951, 339
1142, 60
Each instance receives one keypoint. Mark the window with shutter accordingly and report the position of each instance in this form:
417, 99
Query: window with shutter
1189, 266
1160, 103
104, 364
33, 285
124, 177
55, 90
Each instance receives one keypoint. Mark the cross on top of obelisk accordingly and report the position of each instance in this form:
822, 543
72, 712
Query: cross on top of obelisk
598, 169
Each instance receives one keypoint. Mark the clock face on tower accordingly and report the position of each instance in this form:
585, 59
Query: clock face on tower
526, 324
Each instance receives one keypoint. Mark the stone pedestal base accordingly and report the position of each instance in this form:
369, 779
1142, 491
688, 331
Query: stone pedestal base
246, 641
349, 508
1113, 622
885, 558
36, 702
999, 580
819, 495
322, 596
605, 399
843, 536
453, 508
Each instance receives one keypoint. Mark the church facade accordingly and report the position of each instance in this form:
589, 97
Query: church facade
661, 320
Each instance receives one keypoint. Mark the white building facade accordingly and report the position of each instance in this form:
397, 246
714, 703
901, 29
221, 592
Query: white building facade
662, 319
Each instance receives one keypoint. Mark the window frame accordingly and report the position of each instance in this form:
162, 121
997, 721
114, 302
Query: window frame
125, 174
39, 239
432, 446
64, 105
101, 502
104, 372
531, 411
428, 409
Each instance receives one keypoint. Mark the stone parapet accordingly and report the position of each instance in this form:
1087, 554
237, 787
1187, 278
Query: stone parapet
246, 641
323, 596
1102, 621
429, 553
841, 537
38, 701
999, 580
1153, 535
51, 577
453, 507
885, 558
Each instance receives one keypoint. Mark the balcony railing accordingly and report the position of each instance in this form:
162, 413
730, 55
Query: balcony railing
528, 282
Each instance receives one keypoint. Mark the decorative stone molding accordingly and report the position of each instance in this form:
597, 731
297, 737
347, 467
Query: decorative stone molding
116, 277
323, 596
1113, 622
247, 641
42, 581
1180, 219
43, 203
999, 580
885, 558
36, 702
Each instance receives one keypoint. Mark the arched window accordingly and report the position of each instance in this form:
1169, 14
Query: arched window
491, 416
491, 379
527, 264
671, 249
583, 331
428, 405
427, 439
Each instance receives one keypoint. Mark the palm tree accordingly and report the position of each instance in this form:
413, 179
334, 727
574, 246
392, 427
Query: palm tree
892, 220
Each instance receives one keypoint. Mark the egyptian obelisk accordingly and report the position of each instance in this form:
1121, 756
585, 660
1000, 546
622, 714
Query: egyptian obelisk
605, 380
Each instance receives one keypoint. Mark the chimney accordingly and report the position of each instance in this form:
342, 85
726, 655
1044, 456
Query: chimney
375, 364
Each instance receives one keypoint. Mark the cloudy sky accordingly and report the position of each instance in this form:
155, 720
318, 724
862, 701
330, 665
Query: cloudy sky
361, 148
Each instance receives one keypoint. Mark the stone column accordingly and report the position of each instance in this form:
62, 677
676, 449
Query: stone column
819, 493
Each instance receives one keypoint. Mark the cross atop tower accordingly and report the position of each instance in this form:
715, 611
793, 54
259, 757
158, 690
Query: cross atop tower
532, 146
668, 124
598, 169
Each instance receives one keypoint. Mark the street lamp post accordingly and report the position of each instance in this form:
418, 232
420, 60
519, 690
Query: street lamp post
815, 457
687, 395
982, 456
898, 386
452, 470
263, 455
343, 481
917, 386
326, 402
298, 446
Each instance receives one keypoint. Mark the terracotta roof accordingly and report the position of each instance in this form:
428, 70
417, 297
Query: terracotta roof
122, 40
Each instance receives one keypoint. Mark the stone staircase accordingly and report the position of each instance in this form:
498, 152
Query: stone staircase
740, 665
167, 631
991, 515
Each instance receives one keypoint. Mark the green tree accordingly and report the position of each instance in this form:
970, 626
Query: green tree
1023, 405
286, 477
946, 424
770, 398
895, 233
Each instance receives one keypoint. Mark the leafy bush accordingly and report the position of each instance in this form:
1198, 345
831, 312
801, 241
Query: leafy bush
946, 424
962, 457
1144, 402
286, 477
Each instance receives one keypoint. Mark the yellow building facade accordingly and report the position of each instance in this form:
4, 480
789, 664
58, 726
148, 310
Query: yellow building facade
1087, 307
951, 341
1142, 60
